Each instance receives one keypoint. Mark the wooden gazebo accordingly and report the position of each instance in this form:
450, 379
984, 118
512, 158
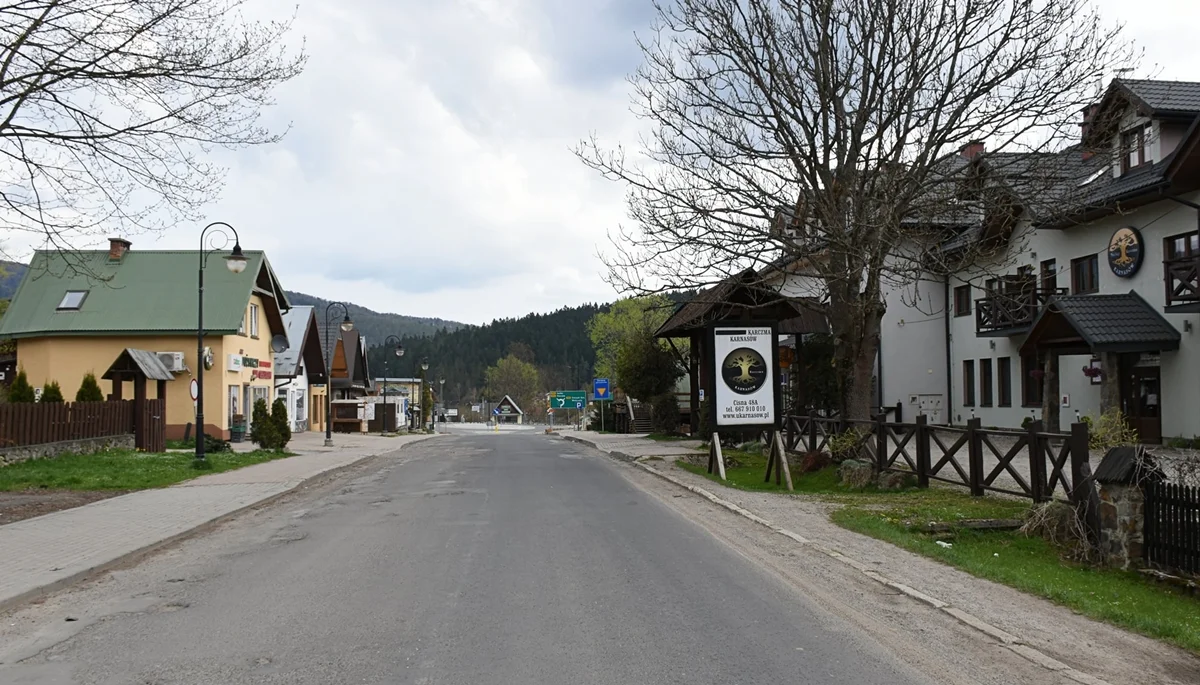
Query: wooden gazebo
149, 416
742, 297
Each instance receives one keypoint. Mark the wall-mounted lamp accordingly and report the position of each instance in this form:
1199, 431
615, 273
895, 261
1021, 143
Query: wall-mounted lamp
992, 344
1187, 325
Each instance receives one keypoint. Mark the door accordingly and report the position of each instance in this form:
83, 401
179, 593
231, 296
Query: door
1141, 397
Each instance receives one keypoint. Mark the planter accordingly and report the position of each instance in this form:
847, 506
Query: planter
237, 428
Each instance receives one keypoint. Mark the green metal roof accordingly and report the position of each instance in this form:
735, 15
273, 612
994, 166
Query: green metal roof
148, 292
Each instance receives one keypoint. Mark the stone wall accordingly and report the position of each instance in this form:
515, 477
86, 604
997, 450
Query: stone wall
1122, 514
15, 455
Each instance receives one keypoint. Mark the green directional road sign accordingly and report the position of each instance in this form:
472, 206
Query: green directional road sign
568, 399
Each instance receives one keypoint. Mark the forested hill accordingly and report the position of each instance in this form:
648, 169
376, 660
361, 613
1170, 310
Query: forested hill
558, 343
376, 326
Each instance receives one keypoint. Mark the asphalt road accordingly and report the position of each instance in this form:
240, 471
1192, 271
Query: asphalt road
484, 559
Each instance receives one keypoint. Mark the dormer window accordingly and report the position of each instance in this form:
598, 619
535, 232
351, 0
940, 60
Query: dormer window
1135, 144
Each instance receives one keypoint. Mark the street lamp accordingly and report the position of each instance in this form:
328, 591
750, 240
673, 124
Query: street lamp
399, 352
424, 368
442, 394
236, 262
347, 326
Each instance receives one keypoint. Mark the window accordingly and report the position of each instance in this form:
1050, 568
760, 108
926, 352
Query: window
990, 285
253, 321
72, 300
1134, 144
1085, 275
968, 382
962, 300
1182, 246
1031, 382
1004, 372
985, 382
1049, 275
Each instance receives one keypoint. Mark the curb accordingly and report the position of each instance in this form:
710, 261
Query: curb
1006, 640
15, 601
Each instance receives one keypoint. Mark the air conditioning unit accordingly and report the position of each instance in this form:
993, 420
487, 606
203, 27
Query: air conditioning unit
173, 361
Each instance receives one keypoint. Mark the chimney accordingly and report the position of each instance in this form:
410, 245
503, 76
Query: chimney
1085, 128
117, 247
971, 150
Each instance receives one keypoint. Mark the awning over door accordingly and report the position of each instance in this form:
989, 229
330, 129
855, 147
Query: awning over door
1082, 324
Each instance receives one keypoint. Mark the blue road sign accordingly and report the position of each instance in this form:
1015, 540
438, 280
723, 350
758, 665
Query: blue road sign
600, 389
578, 404
496, 411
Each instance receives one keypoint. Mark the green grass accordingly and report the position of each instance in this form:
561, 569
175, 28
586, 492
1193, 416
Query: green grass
1032, 565
181, 444
748, 475
120, 470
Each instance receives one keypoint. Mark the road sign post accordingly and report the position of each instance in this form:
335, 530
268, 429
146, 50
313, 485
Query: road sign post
566, 399
601, 393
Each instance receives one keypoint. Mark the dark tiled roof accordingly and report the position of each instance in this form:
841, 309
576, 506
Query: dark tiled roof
1174, 96
146, 363
737, 294
1123, 322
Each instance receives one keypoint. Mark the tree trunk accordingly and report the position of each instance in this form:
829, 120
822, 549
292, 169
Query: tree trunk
1050, 387
1110, 381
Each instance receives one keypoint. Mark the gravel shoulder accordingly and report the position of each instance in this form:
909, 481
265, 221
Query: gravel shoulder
1086, 645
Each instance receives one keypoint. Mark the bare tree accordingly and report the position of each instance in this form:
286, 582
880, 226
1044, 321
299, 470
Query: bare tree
108, 108
825, 133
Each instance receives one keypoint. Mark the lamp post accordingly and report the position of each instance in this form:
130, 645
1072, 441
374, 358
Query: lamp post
442, 395
236, 263
347, 326
399, 352
424, 368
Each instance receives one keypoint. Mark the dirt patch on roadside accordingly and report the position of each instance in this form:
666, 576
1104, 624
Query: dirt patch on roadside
25, 504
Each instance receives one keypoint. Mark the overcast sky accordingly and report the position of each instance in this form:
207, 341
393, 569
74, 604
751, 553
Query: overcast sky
428, 169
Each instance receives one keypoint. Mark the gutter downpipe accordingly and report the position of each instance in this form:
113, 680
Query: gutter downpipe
949, 363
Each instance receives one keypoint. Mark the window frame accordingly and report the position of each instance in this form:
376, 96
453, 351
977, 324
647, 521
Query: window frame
253, 321
1191, 241
1078, 286
63, 307
1048, 274
1135, 139
968, 382
986, 382
1004, 387
962, 307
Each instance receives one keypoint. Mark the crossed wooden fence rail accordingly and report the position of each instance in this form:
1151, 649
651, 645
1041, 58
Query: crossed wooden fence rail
957, 454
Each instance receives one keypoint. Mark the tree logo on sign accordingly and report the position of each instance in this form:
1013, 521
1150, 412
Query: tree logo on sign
744, 371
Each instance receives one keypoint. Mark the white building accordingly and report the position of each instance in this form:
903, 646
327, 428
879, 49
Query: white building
1101, 271
299, 368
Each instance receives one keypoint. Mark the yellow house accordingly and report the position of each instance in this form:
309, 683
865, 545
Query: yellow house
75, 312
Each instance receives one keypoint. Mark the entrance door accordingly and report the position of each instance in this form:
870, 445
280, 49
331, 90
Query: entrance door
1142, 400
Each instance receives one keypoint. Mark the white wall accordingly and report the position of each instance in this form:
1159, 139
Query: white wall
291, 390
1180, 370
912, 349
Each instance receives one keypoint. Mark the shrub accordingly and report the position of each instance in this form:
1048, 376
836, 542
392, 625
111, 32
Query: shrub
283, 428
845, 445
21, 390
89, 389
262, 428
1109, 431
705, 423
51, 392
1179, 443
814, 461
664, 414
1029, 419
603, 410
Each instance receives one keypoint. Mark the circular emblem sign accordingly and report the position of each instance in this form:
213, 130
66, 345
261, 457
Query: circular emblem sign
208, 359
744, 371
1125, 252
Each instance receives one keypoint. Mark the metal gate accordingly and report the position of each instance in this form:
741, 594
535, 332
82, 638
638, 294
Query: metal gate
1172, 529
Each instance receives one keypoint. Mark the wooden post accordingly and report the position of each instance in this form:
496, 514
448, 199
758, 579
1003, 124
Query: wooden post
881, 448
771, 464
719, 457
812, 430
1037, 462
1083, 493
783, 462
921, 437
975, 456
899, 412
140, 432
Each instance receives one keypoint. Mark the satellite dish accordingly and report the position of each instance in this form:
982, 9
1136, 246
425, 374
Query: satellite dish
279, 343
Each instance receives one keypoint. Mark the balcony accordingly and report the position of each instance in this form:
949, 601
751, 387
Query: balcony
1011, 311
1182, 279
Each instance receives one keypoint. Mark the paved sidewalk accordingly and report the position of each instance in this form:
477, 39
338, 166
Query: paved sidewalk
44, 553
633, 445
1085, 644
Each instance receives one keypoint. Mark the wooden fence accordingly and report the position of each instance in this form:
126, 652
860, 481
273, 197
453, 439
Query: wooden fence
1036, 464
1172, 526
24, 424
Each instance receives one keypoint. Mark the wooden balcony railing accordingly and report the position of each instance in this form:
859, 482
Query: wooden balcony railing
1012, 309
1182, 279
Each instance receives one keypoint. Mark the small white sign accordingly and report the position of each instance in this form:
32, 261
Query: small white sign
195, 389
235, 363
701, 394
1065, 402
744, 376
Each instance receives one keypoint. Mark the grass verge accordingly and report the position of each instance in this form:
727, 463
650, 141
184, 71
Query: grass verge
1028, 564
120, 470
